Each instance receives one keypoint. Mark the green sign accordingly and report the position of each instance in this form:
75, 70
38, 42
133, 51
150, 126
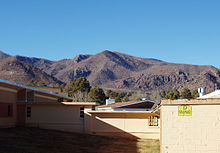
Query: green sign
185, 110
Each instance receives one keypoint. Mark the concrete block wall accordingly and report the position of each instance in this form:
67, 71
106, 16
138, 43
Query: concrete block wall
199, 133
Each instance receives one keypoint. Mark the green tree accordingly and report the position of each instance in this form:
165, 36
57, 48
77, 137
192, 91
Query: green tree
41, 84
109, 93
173, 94
96, 94
125, 99
78, 85
163, 94
186, 94
112, 94
32, 83
117, 99
195, 94
138, 99
57, 85
122, 94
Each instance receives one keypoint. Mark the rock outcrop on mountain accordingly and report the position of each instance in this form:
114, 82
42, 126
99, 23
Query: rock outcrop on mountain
109, 69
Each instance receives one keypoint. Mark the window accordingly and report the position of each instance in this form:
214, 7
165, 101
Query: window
81, 112
6, 110
153, 121
28, 111
9, 110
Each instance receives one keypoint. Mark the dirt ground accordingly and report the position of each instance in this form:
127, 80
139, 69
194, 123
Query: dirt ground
34, 140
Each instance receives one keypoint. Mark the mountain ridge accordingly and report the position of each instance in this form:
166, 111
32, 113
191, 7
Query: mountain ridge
115, 70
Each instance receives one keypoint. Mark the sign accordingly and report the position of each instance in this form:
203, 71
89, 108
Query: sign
185, 110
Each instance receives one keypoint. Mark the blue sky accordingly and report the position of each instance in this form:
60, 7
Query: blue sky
171, 30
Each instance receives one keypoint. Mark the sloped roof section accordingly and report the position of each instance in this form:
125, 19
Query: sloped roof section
20, 86
131, 104
215, 94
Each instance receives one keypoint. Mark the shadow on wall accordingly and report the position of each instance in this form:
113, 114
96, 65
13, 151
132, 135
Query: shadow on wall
99, 127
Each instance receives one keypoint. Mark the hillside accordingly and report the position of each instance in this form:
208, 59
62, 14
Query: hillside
18, 71
114, 70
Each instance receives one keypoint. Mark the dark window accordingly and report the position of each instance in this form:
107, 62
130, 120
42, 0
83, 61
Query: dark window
9, 110
81, 112
28, 111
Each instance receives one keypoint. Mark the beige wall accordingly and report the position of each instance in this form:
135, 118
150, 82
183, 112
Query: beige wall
190, 134
8, 96
122, 124
58, 117
41, 98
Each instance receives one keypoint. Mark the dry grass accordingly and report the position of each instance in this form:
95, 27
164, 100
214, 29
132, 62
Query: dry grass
148, 146
34, 140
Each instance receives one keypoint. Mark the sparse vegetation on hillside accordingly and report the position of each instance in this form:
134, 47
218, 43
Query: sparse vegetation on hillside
37, 83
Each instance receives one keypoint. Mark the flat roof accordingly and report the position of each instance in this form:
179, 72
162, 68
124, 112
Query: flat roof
213, 101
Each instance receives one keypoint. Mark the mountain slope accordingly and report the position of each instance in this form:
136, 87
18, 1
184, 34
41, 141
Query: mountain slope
115, 70
3, 55
101, 68
15, 70
169, 76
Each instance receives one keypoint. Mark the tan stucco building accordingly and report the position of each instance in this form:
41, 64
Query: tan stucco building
25, 106
128, 119
190, 126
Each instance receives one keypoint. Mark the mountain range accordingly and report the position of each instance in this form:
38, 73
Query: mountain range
110, 70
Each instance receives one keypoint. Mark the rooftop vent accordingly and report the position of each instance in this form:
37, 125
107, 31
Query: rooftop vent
201, 92
110, 101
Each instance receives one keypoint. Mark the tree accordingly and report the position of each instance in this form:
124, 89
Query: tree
186, 94
138, 99
111, 94
173, 94
122, 94
117, 99
80, 96
41, 84
163, 94
195, 94
108, 93
125, 99
96, 94
78, 85
32, 83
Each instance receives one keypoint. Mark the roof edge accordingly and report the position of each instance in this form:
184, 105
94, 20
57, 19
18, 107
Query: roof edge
148, 100
34, 89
